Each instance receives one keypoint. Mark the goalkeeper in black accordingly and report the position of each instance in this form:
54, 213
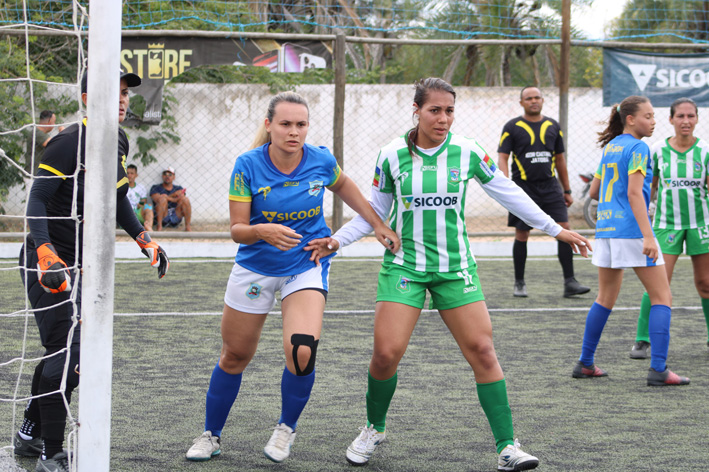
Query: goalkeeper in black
51, 265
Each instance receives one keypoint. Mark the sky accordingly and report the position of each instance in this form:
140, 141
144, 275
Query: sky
593, 20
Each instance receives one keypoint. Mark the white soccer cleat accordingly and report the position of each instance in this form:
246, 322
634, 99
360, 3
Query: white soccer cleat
278, 447
204, 448
513, 458
362, 448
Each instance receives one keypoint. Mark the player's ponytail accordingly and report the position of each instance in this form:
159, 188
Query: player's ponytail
422, 88
616, 122
262, 137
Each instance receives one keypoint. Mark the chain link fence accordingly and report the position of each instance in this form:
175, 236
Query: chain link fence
216, 123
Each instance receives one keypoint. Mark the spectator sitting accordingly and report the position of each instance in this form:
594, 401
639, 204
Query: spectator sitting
171, 204
138, 197
45, 131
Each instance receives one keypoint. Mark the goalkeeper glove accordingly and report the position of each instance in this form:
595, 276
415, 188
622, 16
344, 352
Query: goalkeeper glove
53, 274
156, 254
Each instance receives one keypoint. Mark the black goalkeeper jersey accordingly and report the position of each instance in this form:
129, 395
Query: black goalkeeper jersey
62, 157
533, 147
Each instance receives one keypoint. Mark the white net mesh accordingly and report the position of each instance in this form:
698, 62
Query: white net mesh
39, 106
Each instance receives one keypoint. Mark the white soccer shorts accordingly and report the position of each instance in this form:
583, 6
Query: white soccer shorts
251, 292
615, 253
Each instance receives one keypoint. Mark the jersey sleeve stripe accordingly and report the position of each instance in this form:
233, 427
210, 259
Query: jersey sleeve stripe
52, 170
235, 198
122, 182
504, 135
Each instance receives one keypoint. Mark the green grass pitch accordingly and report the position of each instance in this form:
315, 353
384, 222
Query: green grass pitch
162, 366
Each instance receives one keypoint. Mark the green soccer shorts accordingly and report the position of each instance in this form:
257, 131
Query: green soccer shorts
448, 289
672, 240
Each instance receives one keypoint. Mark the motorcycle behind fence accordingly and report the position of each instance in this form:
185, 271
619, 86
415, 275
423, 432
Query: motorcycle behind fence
590, 205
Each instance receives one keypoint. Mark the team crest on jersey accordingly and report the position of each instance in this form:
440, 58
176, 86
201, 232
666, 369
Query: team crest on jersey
404, 284
671, 238
315, 188
254, 291
265, 191
697, 167
407, 201
454, 175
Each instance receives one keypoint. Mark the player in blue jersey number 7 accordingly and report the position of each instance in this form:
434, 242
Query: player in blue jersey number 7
276, 209
624, 237
422, 178
680, 170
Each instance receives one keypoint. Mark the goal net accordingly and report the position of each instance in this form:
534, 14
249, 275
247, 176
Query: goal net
40, 105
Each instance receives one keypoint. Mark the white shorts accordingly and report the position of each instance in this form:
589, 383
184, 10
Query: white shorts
251, 292
616, 253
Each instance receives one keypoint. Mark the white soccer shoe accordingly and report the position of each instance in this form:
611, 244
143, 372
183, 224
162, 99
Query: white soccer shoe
512, 458
204, 448
362, 448
278, 447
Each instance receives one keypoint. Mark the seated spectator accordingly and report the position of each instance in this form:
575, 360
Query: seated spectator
138, 197
171, 204
45, 131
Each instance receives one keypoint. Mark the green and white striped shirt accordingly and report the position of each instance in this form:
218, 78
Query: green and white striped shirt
424, 198
682, 193
429, 199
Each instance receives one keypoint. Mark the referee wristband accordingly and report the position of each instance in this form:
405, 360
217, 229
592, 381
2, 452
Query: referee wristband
568, 192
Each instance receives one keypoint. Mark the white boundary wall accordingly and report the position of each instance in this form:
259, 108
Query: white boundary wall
217, 123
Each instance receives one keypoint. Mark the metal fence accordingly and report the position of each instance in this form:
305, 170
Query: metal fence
216, 123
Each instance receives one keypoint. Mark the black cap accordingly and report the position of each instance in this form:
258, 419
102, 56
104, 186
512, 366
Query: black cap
133, 80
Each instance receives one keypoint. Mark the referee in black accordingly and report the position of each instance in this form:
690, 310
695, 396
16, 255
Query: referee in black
51, 267
536, 146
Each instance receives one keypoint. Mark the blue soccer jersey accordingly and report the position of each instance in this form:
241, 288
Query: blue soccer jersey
623, 156
294, 200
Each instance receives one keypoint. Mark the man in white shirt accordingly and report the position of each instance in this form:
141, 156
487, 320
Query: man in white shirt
138, 197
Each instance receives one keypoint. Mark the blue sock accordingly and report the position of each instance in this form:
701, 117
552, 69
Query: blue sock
295, 393
659, 330
223, 389
595, 321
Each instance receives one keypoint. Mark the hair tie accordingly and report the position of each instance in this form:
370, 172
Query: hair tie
618, 108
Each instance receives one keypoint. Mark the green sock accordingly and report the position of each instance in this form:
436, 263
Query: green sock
493, 399
705, 309
644, 319
379, 395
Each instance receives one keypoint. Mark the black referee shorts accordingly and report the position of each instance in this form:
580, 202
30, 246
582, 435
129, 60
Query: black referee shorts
548, 195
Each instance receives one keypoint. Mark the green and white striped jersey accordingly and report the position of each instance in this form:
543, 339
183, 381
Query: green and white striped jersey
429, 200
682, 192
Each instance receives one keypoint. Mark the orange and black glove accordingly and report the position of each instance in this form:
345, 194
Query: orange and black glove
156, 254
53, 274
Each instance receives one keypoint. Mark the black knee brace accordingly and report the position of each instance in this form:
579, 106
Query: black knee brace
298, 340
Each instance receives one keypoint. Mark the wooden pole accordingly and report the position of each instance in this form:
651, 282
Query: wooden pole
338, 138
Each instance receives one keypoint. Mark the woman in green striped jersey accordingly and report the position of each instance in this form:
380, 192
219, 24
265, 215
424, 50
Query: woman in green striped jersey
680, 172
420, 183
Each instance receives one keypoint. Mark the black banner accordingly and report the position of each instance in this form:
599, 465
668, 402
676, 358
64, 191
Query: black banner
157, 60
662, 78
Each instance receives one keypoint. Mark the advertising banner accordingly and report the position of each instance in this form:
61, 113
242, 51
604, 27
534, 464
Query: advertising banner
662, 78
157, 60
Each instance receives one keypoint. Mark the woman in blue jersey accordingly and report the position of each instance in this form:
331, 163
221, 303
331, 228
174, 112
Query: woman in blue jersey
680, 171
276, 208
420, 183
624, 237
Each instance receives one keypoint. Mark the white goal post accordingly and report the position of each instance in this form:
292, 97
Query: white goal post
99, 237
